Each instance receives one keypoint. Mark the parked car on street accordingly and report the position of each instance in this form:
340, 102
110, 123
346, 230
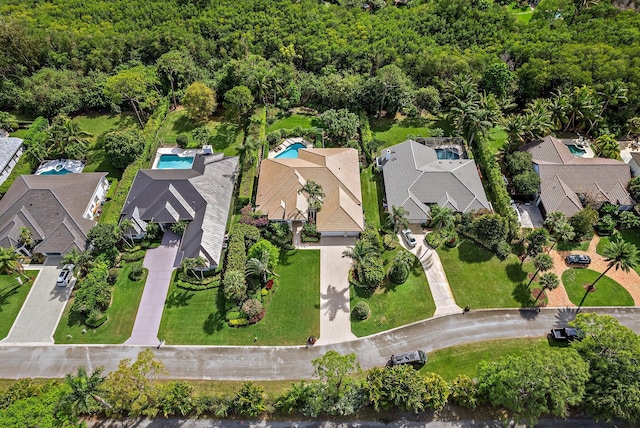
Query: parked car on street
416, 359
578, 260
65, 276
409, 238
566, 334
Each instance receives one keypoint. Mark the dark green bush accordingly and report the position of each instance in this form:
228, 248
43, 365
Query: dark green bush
113, 275
182, 140
137, 272
390, 241
361, 311
398, 273
133, 257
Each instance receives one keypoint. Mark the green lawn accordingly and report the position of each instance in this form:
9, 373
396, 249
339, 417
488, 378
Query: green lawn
608, 292
522, 13
372, 187
20, 133
393, 131
464, 359
629, 235
126, 295
394, 305
223, 132
478, 279
573, 246
496, 140
12, 296
293, 121
197, 317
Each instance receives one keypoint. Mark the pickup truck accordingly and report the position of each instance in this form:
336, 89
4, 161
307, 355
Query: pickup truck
415, 358
566, 334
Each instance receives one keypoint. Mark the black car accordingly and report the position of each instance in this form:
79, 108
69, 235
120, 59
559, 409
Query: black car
566, 334
578, 259
415, 358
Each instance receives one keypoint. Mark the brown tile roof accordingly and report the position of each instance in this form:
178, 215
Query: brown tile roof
336, 170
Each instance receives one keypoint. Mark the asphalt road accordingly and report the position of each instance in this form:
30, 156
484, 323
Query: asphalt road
283, 363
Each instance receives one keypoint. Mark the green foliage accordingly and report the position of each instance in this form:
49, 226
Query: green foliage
250, 400
583, 222
136, 274
463, 392
182, 140
634, 188
103, 237
340, 125
133, 256
179, 227
122, 147
428, 98
199, 101
489, 230
252, 308
94, 295
27, 404
50, 92
390, 241
238, 99
498, 79
398, 273
361, 311
256, 250
234, 286
176, 398
400, 387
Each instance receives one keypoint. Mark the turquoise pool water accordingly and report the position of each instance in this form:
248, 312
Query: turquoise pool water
447, 154
577, 151
174, 162
291, 151
54, 172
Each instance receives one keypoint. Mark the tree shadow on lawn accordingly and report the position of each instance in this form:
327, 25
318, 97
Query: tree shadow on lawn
382, 125
216, 319
470, 252
183, 124
225, 136
522, 294
515, 272
75, 318
8, 292
285, 255
178, 298
417, 122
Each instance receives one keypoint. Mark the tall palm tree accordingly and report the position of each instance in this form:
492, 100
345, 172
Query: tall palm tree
84, 390
26, 237
541, 262
314, 195
559, 228
549, 281
259, 268
606, 146
614, 92
10, 261
193, 263
67, 139
358, 253
515, 128
441, 217
559, 106
82, 260
397, 218
404, 258
621, 255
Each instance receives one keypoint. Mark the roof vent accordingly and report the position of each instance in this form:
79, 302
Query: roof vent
207, 149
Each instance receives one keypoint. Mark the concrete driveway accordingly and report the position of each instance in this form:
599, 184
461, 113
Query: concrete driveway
41, 311
161, 262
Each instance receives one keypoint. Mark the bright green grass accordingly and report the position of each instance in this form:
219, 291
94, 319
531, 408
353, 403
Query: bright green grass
223, 132
126, 295
496, 140
478, 279
629, 235
394, 305
197, 317
20, 133
12, 296
573, 246
522, 13
372, 184
293, 121
464, 359
608, 292
394, 131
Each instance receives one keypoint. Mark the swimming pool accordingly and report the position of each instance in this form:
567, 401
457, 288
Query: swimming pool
576, 151
291, 151
174, 162
54, 172
447, 153
60, 167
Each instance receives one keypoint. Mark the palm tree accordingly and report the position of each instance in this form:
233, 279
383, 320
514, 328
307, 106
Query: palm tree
124, 228
549, 281
606, 146
67, 139
614, 92
193, 263
404, 258
559, 228
234, 286
441, 218
621, 255
10, 261
358, 253
397, 218
314, 195
26, 237
558, 107
541, 262
259, 268
83, 394
515, 128
82, 260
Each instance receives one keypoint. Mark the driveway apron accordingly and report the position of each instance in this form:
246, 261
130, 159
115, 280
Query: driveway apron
161, 262
41, 311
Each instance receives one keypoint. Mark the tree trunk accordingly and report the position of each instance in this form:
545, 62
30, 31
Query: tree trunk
540, 293
173, 93
598, 278
135, 109
532, 278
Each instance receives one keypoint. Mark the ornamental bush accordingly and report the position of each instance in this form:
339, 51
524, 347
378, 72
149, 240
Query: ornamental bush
252, 307
361, 311
136, 273
133, 257
390, 242
182, 140
398, 273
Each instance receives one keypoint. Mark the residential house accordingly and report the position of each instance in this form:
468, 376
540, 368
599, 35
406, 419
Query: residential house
200, 195
567, 181
337, 171
59, 209
10, 151
416, 177
633, 160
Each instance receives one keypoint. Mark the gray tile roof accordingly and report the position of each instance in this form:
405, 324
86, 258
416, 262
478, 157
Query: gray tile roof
564, 176
8, 148
201, 195
415, 178
52, 206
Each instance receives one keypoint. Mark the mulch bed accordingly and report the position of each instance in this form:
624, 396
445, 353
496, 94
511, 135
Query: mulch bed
542, 300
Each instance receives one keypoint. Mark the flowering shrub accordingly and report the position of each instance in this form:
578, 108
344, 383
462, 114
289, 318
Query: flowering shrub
248, 216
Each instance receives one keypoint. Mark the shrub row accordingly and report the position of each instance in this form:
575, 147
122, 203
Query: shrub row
133, 256
93, 296
366, 136
241, 234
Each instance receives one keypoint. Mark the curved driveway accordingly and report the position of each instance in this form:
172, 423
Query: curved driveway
271, 363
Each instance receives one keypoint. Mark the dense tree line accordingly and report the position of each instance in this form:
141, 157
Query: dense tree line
71, 55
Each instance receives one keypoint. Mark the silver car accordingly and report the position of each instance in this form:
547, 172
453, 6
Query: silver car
409, 238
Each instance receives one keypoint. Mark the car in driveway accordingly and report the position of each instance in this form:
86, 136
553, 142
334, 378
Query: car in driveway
578, 260
416, 359
566, 334
409, 238
65, 276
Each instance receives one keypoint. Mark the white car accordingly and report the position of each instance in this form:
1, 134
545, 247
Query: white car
409, 238
65, 276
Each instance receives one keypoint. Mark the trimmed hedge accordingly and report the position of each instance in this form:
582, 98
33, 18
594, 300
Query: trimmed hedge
134, 256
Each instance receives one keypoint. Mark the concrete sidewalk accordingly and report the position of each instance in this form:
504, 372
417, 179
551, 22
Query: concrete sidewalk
433, 269
161, 263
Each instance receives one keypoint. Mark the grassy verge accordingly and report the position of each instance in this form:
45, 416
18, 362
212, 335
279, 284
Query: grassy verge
293, 121
496, 140
478, 279
126, 295
464, 359
394, 131
608, 292
394, 305
372, 196
197, 317
12, 297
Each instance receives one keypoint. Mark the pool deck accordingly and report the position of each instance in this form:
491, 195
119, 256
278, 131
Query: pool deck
583, 145
286, 143
187, 153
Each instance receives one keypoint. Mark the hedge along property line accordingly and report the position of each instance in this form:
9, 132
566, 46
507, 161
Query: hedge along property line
366, 136
111, 209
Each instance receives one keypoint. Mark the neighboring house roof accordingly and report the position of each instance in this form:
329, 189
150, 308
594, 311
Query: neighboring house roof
635, 156
415, 178
52, 206
8, 149
337, 171
201, 195
564, 176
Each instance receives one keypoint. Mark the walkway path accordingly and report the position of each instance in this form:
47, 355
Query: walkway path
433, 269
294, 362
41, 311
335, 310
629, 280
161, 262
